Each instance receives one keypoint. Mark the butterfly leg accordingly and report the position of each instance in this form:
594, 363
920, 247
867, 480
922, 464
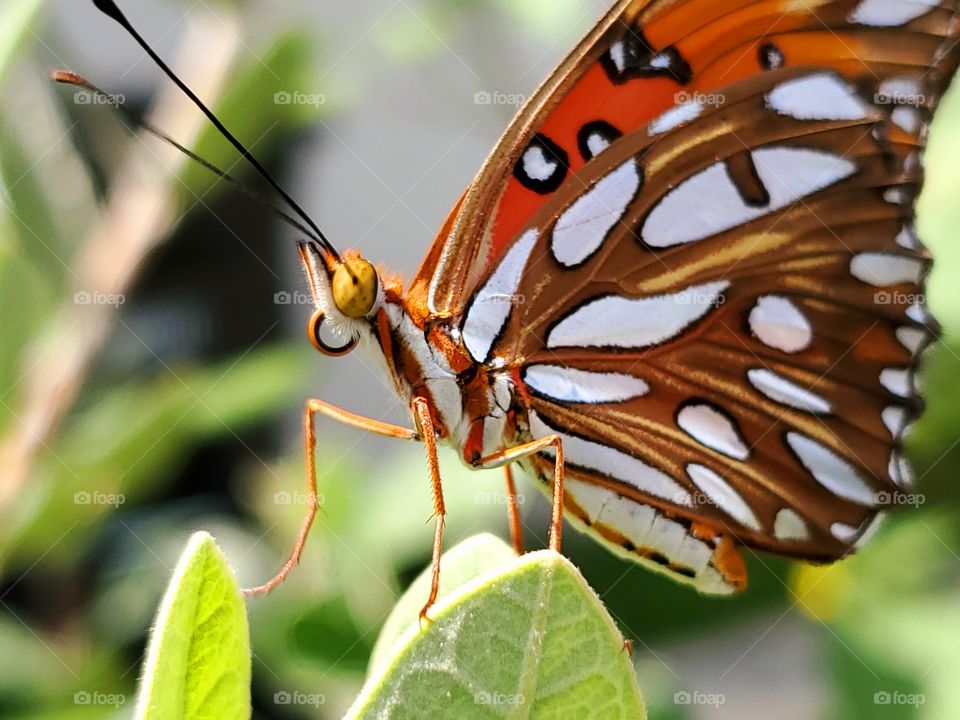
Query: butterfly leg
510, 455
513, 513
314, 408
427, 433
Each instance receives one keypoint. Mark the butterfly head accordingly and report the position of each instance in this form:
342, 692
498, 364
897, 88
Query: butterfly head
346, 294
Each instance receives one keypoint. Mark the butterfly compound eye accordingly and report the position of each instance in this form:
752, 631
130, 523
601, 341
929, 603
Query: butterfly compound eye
355, 287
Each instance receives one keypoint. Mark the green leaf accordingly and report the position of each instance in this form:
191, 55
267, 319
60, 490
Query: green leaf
198, 661
465, 562
527, 640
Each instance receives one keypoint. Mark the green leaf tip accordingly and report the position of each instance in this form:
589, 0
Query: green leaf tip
527, 639
198, 659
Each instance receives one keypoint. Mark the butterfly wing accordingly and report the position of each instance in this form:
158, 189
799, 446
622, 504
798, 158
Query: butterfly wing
721, 316
646, 56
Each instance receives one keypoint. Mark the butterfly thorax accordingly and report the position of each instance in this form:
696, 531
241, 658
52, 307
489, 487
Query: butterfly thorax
471, 402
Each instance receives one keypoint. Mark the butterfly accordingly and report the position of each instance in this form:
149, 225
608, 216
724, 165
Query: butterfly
684, 292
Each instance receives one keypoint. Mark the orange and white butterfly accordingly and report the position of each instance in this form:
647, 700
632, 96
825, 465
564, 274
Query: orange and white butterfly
684, 291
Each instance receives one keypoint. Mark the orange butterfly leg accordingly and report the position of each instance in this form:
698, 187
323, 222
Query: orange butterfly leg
313, 408
505, 457
513, 512
421, 414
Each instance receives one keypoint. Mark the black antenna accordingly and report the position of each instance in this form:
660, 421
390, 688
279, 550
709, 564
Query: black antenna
71, 78
110, 9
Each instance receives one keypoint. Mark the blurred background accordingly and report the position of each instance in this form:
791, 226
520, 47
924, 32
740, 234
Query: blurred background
153, 368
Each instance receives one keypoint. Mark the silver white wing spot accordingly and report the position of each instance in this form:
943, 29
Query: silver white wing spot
832, 471
908, 239
719, 492
788, 525
615, 464
890, 13
491, 306
783, 391
919, 313
710, 203
713, 429
844, 533
582, 386
618, 54
895, 418
912, 338
779, 324
900, 90
582, 228
822, 96
615, 321
537, 165
674, 117
898, 381
883, 269
899, 470
907, 119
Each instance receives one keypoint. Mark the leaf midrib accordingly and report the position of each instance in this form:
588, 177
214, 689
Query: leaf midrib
533, 654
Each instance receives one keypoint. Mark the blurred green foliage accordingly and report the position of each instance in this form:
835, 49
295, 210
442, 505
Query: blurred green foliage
256, 106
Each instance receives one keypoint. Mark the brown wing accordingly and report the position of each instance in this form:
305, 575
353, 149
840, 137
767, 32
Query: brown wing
721, 316
646, 56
